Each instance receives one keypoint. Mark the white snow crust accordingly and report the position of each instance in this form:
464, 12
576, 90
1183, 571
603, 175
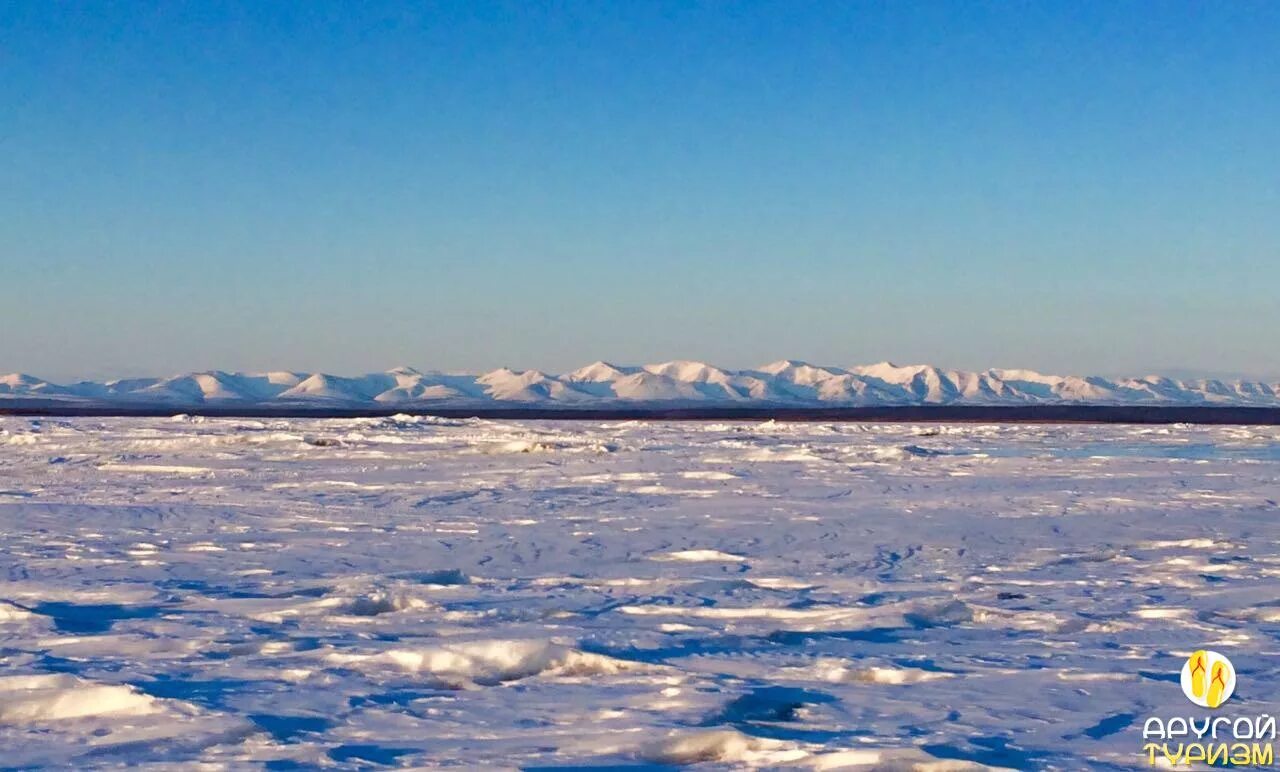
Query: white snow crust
520, 595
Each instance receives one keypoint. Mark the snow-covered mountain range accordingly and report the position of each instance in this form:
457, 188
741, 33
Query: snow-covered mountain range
785, 382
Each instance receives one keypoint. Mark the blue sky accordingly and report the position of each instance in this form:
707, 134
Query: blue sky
1074, 187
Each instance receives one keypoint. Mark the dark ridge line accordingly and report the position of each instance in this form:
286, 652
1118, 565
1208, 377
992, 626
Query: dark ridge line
1100, 414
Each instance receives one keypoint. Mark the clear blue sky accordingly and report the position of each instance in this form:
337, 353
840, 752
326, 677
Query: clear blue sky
1075, 187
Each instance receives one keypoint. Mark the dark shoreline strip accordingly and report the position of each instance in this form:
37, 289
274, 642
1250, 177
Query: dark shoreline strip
1102, 414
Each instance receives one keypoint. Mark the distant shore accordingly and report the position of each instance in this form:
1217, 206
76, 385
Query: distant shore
1103, 414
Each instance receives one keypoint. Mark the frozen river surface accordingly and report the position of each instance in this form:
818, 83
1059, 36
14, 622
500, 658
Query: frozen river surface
294, 594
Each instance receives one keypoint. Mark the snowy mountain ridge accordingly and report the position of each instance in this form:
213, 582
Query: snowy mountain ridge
681, 382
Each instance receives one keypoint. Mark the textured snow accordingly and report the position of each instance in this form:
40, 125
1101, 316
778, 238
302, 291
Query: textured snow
680, 382
423, 592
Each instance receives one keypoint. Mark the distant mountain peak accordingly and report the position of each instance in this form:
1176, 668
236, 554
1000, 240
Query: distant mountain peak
598, 371
786, 382
783, 365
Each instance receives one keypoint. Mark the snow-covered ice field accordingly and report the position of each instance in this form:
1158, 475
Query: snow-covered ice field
418, 592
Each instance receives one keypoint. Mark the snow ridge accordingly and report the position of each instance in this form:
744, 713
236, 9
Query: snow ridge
784, 383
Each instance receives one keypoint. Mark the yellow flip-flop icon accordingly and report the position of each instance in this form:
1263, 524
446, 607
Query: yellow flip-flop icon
1217, 685
1200, 675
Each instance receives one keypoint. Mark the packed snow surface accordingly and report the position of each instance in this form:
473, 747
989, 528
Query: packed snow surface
786, 383
501, 595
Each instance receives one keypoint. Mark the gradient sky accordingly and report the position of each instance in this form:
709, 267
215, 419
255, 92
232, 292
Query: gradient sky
1067, 186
